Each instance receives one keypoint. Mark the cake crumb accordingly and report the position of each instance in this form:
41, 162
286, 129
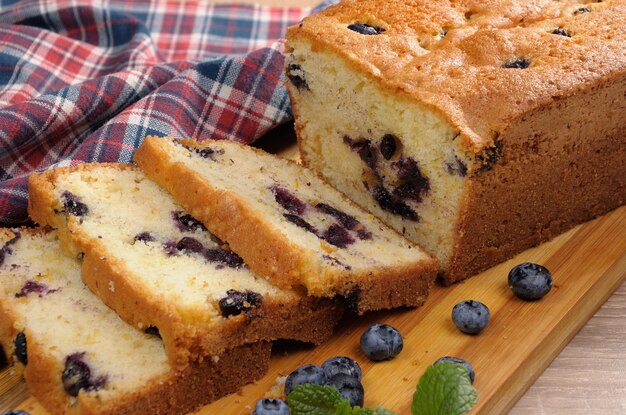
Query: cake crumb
278, 388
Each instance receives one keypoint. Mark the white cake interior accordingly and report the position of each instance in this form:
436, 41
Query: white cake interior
187, 279
339, 109
255, 178
63, 317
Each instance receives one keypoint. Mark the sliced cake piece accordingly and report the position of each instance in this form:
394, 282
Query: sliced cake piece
161, 270
290, 225
79, 357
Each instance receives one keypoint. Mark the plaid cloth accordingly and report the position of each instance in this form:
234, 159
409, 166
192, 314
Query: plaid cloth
84, 81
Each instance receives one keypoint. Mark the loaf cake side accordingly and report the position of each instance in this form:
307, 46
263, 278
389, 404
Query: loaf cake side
441, 118
161, 270
288, 224
79, 357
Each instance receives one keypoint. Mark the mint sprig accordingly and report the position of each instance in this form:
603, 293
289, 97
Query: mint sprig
310, 399
444, 389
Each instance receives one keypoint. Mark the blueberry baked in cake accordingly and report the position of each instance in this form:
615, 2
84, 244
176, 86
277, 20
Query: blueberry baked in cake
162, 271
79, 357
288, 224
474, 128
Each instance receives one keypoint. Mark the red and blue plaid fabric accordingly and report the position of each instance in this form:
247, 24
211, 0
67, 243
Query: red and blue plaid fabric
84, 81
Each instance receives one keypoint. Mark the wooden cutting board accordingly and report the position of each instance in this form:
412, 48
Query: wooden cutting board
588, 263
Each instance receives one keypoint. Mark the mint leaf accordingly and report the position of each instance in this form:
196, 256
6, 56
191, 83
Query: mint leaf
378, 411
444, 389
344, 408
310, 399
382, 411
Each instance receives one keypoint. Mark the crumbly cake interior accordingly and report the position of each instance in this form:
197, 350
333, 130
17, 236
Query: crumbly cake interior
43, 290
170, 254
394, 157
391, 105
310, 213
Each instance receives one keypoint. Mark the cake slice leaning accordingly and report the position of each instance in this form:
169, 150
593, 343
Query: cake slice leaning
79, 357
290, 225
162, 271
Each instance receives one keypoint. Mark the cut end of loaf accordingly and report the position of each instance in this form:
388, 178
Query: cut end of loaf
396, 158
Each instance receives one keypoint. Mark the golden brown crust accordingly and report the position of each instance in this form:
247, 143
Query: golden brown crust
197, 385
293, 316
559, 167
285, 263
177, 392
453, 75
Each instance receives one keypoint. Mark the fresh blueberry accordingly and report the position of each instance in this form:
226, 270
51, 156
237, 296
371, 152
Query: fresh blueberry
77, 375
349, 387
381, 342
530, 281
341, 364
20, 348
464, 363
305, 374
73, 205
271, 407
516, 63
15, 412
237, 302
470, 316
366, 29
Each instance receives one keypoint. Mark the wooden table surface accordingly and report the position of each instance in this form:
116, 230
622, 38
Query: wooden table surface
589, 375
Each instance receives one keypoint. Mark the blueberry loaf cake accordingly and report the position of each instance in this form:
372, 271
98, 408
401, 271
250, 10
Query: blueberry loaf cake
79, 357
290, 225
477, 129
162, 271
